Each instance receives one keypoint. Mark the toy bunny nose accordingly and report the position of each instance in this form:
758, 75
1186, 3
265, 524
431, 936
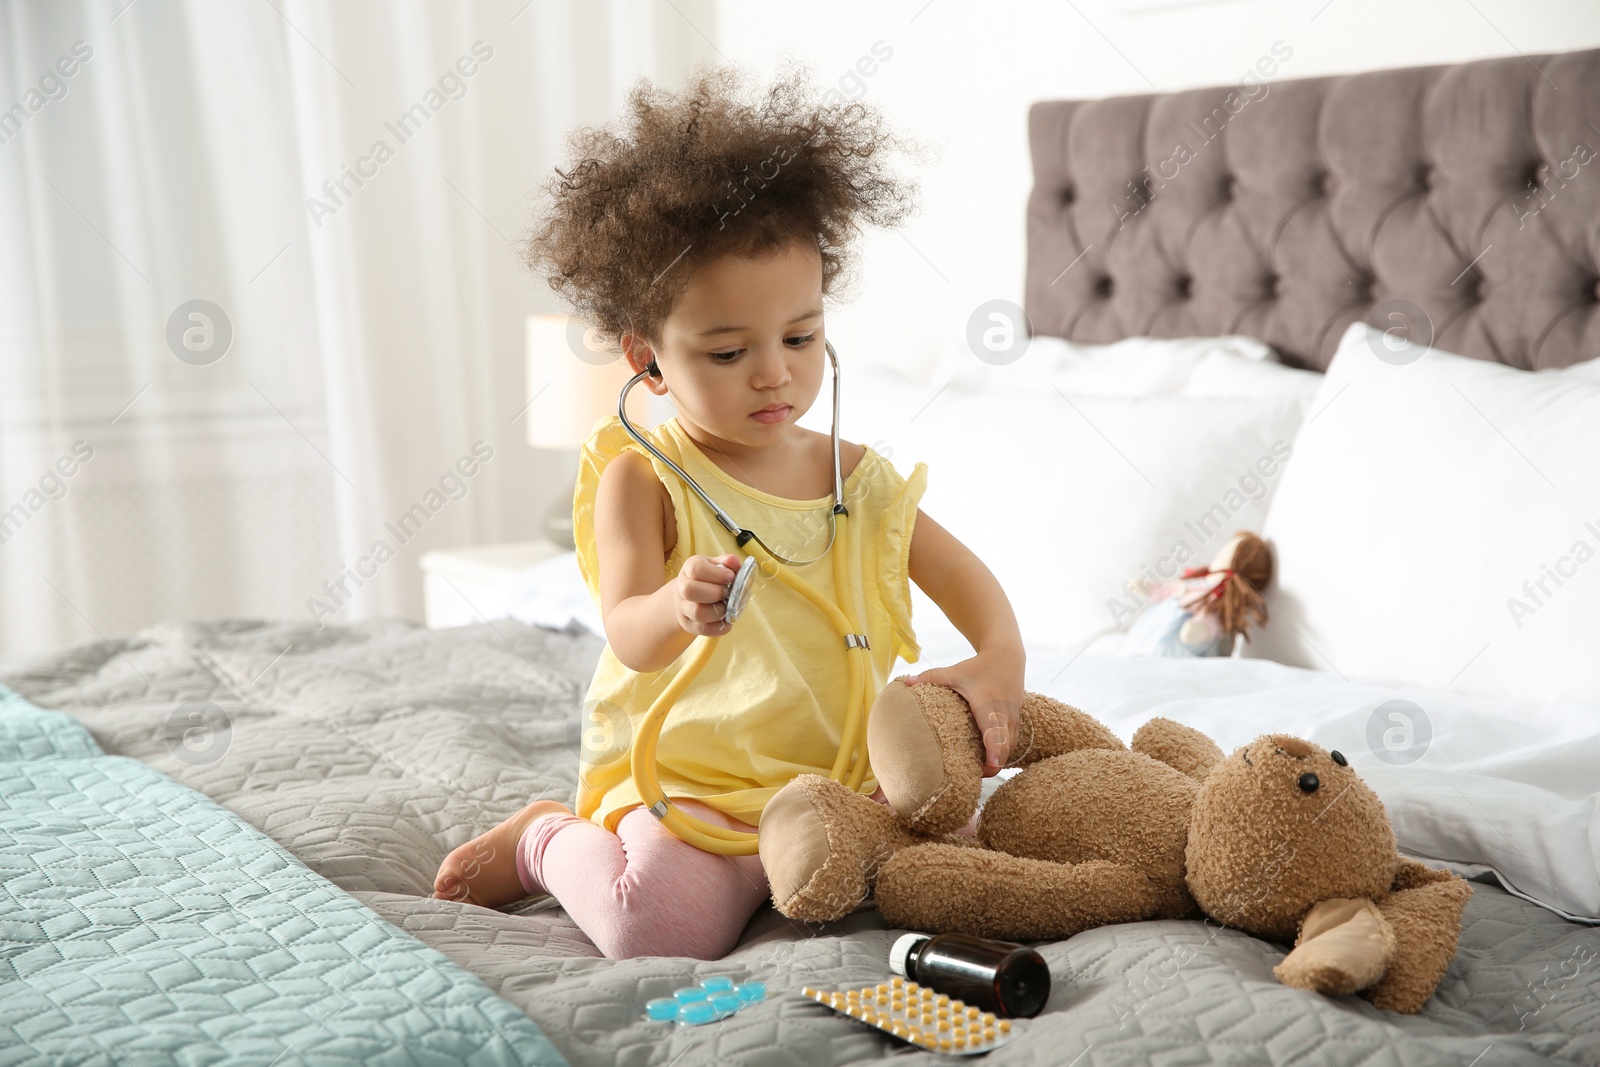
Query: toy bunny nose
1292, 746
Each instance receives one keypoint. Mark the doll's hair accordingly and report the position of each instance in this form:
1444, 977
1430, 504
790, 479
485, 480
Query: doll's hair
682, 179
1240, 603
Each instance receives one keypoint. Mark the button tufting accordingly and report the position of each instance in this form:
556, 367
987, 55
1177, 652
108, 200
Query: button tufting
1321, 182
1183, 284
1102, 285
1427, 176
1067, 195
1273, 286
1230, 187
1595, 291
1530, 173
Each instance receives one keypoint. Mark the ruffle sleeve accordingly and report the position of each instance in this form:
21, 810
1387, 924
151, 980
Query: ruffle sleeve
609, 439
894, 577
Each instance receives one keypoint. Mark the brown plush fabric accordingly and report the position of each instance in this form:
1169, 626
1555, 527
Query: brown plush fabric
1125, 808
1344, 945
990, 894
1278, 840
1179, 746
1262, 851
1426, 918
927, 755
1048, 727
859, 834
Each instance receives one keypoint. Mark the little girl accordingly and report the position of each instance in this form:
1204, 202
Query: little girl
704, 236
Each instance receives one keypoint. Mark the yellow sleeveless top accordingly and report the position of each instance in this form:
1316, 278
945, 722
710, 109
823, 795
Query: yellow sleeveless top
771, 701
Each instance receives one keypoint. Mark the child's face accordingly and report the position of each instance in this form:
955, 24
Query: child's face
772, 355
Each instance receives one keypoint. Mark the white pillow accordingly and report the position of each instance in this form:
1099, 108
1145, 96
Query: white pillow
1135, 366
1066, 498
1441, 526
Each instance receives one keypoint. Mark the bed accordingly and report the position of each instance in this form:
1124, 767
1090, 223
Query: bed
337, 766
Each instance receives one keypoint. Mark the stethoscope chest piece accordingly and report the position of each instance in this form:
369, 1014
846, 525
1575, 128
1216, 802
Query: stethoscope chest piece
739, 590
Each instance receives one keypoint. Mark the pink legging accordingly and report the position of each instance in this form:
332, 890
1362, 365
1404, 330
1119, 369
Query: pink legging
642, 891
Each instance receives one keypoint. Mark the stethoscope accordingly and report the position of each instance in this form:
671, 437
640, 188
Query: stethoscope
850, 766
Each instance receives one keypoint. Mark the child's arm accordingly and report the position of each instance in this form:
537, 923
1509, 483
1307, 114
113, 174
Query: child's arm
970, 596
650, 622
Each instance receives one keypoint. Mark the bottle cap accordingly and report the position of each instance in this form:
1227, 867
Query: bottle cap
902, 948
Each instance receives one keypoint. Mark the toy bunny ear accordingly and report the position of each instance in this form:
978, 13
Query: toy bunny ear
1424, 910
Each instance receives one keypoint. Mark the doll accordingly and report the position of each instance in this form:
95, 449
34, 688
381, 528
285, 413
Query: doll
1202, 612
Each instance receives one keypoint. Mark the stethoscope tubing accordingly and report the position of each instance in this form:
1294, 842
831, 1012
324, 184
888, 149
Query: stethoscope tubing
740, 534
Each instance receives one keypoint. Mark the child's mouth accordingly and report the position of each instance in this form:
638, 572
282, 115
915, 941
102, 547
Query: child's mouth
773, 415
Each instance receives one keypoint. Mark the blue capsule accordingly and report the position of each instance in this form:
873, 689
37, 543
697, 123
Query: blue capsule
662, 1009
726, 1003
716, 983
697, 1012
690, 994
750, 992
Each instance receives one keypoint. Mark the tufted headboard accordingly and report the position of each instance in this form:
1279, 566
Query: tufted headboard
1461, 203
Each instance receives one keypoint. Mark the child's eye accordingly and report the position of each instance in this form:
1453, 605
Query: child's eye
728, 357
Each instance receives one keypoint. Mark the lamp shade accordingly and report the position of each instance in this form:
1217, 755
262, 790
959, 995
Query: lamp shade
574, 377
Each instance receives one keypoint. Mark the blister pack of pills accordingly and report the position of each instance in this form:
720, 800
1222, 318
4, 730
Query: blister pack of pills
713, 998
916, 1014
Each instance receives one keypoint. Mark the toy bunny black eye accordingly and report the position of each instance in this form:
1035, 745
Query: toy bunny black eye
1338, 757
1309, 782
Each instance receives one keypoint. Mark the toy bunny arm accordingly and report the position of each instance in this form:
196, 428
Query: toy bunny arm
1344, 945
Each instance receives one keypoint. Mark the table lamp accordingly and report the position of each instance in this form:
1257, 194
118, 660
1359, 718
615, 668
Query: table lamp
574, 377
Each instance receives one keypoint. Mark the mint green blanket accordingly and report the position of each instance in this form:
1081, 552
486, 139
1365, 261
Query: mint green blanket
142, 922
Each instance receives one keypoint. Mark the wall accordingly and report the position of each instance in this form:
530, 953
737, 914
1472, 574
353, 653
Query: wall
961, 77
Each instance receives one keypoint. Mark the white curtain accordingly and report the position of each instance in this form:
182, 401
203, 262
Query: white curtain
346, 183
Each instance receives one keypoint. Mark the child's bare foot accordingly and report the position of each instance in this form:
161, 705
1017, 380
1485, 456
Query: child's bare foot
484, 870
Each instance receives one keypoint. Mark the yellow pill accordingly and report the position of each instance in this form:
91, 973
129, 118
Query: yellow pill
897, 981
912, 987
914, 1034
944, 1044
988, 1033
972, 1013
958, 1005
1005, 1026
988, 1018
943, 1000
898, 1028
943, 1023
959, 1041
807, 991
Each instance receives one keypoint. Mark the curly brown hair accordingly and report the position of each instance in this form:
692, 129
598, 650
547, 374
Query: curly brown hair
684, 179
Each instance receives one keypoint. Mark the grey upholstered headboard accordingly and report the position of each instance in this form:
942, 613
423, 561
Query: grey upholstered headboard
1465, 198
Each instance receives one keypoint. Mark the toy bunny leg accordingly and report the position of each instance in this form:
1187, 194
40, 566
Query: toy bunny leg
821, 844
990, 894
927, 754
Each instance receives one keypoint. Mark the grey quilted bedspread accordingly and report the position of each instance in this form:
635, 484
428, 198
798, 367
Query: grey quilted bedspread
370, 751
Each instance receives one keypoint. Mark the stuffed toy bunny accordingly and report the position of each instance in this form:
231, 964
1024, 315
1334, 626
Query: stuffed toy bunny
1281, 839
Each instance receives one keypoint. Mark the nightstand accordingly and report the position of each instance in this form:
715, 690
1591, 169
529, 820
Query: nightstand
467, 585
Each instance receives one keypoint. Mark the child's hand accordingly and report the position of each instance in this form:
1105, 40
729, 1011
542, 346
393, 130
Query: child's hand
701, 592
992, 688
